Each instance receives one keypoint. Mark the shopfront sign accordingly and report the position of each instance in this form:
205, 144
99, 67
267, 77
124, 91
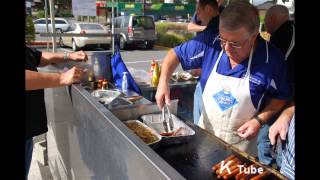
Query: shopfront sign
84, 7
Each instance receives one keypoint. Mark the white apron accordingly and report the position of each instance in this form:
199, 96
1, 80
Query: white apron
227, 106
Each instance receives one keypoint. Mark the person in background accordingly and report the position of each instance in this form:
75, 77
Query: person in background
282, 36
284, 128
196, 24
282, 33
35, 82
238, 69
208, 14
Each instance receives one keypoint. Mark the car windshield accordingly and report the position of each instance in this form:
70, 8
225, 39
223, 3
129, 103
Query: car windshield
90, 27
143, 21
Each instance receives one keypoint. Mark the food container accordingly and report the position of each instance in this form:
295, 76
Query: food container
90, 85
106, 96
183, 76
148, 135
180, 134
119, 101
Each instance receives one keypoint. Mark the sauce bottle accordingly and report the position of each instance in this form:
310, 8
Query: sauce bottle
155, 75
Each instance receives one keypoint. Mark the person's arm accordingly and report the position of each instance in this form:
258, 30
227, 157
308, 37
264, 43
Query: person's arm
281, 125
192, 27
251, 128
279, 91
49, 57
169, 64
40, 80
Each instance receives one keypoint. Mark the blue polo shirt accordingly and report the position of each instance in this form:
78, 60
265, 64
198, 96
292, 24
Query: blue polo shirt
265, 78
208, 35
195, 19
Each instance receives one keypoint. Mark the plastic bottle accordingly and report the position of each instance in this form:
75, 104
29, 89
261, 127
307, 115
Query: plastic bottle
152, 67
124, 82
96, 68
155, 75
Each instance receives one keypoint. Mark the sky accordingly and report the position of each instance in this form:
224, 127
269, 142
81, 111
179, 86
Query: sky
257, 2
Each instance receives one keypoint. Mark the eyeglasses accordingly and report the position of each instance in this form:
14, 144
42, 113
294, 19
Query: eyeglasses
236, 45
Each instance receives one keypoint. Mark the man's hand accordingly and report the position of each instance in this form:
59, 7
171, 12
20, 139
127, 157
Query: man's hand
249, 129
163, 94
78, 56
74, 75
281, 127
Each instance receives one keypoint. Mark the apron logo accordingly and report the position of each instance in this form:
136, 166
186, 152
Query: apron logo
224, 99
255, 80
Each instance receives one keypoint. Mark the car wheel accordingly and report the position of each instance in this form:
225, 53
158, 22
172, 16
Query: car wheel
123, 44
61, 42
149, 45
74, 45
106, 46
58, 30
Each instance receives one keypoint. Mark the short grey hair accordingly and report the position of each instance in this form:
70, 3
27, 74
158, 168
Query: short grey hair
278, 10
240, 14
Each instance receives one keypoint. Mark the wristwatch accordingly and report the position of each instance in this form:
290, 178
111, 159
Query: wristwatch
258, 119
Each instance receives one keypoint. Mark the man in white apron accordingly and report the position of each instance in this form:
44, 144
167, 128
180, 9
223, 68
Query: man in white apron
237, 71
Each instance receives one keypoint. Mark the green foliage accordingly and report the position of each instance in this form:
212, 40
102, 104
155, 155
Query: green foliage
30, 31
261, 18
171, 35
65, 13
40, 14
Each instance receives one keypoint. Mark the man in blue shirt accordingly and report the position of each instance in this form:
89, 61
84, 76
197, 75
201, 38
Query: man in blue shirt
196, 24
207, 14
238, 69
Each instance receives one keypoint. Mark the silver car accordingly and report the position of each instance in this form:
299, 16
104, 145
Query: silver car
61, 25
86, 28
135, 30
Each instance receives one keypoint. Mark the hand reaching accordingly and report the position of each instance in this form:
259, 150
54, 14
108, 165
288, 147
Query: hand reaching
78, 56
163, 95
74, 75
281, 127
249, 129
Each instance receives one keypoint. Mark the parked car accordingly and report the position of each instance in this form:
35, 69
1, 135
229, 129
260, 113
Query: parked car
86, 28
135, 30
61, 25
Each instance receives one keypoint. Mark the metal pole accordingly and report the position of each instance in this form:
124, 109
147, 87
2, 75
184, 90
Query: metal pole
46, 16
51, 5
143, 4
112, 25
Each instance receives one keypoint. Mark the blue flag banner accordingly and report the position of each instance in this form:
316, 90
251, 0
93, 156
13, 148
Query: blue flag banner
118, 67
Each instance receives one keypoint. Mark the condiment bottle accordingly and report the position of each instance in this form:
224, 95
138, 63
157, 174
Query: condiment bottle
104, 84
152, 67
124, 82
155, 75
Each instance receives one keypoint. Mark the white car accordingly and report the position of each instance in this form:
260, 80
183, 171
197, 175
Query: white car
61, 25
86, 28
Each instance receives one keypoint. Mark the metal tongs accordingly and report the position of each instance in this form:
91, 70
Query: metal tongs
168, 126
277, 147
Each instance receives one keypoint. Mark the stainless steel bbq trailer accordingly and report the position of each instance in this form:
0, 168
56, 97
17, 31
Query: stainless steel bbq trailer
86, 140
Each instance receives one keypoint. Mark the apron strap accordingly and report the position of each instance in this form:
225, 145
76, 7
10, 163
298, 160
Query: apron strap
292, 43
249, 63
267, 52
217, 62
